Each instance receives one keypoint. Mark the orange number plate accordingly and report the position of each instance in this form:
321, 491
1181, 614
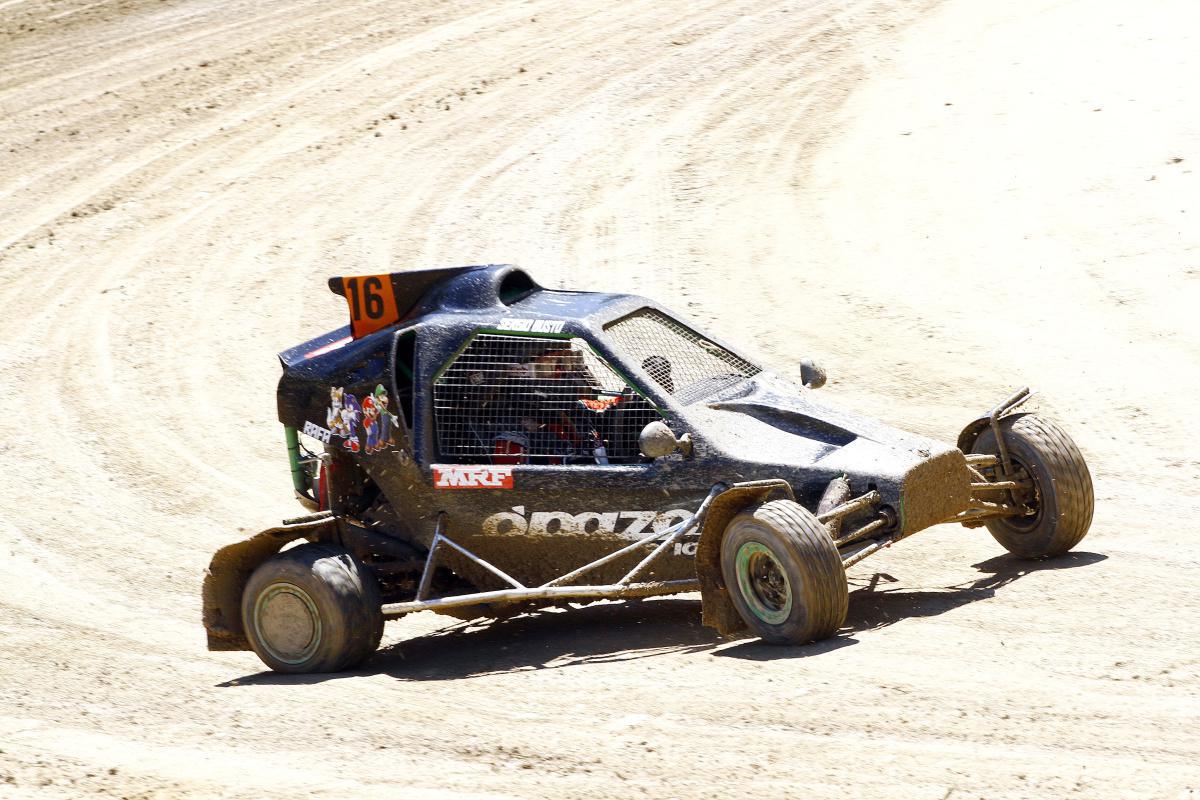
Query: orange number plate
372, 303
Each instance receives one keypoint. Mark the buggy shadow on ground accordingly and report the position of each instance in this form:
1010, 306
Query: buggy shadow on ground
873, 607
616, 632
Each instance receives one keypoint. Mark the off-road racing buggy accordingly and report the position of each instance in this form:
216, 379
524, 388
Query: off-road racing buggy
488, 446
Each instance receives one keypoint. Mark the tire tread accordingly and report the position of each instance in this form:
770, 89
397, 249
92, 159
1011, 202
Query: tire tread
1074, 495
824, 593
354, 592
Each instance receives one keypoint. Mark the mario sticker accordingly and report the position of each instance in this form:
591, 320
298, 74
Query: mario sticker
379, 423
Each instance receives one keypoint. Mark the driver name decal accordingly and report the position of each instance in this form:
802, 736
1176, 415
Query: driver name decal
453, 476
531, 325
317, 432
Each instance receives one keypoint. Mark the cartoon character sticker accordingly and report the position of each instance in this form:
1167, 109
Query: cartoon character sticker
379, 423
333, 417
342, 417
371, 422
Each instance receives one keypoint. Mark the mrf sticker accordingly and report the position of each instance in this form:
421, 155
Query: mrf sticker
461, 476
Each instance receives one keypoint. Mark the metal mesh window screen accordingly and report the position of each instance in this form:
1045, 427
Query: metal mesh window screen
681, 361
535, 400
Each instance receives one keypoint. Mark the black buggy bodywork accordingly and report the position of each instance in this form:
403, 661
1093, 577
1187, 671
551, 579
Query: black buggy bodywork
489, 445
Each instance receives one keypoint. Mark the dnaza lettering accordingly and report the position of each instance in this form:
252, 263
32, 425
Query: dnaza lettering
626, 524
472, 477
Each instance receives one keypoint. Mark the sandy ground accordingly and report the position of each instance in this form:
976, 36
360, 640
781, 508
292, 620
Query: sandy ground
939, 201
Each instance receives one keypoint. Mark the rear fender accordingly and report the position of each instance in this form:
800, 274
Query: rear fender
232, 566
717, 608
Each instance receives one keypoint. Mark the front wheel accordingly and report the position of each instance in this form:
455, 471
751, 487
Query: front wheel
784, 573
313, 608
1060, 496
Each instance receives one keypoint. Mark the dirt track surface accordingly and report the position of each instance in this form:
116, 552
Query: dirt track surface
937, 201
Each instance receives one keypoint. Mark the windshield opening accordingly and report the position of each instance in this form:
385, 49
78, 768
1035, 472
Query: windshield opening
682, 362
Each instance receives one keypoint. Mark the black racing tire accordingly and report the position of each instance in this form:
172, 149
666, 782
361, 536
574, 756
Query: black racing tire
1062, 487
314, 608
784, 573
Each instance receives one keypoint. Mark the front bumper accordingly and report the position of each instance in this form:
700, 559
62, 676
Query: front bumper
934, 491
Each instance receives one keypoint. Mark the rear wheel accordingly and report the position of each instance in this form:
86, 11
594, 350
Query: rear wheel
784, 573
314, 608
1060, 496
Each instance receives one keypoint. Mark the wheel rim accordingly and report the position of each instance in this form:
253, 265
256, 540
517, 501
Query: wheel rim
1031, 497
763, 583
287, 622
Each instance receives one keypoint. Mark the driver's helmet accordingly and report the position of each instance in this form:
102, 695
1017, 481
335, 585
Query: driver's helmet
551, 363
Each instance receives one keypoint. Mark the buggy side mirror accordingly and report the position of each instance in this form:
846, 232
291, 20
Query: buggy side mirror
811, 374
657, 440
